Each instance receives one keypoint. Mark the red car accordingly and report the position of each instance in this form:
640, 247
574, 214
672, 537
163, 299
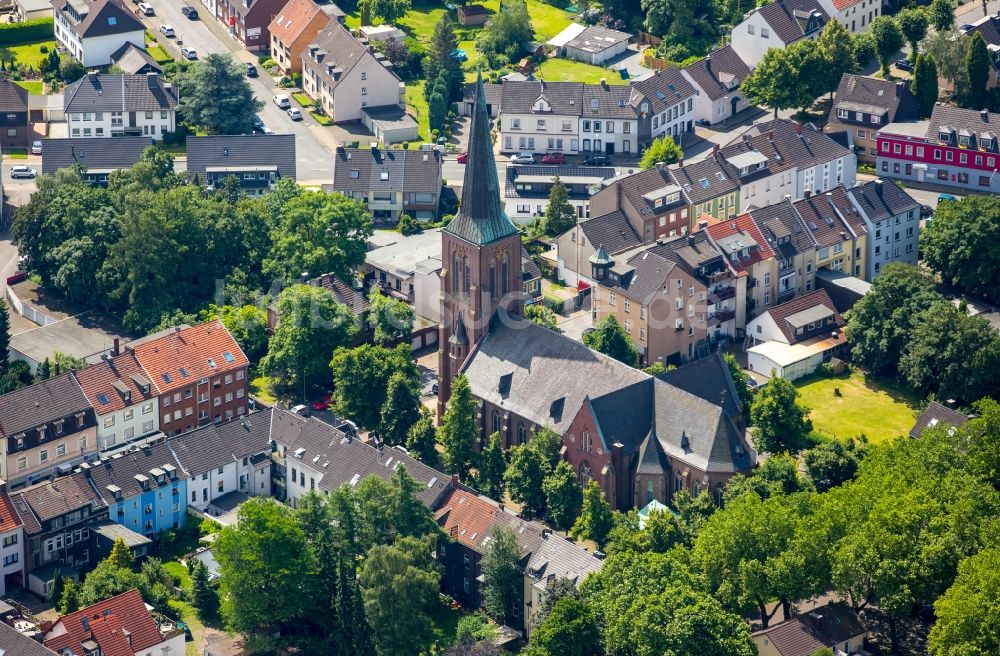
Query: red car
554, 158
463, 158
323, 403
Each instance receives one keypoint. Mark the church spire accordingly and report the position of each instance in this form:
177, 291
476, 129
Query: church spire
481, 218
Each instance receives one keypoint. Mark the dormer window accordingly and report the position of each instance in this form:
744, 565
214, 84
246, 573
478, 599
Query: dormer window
41, 432
59, 424
593, 103
944, 136
964, 141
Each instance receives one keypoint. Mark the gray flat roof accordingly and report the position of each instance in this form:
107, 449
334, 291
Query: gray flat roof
85, 336
401, 259
809, 315
113, 531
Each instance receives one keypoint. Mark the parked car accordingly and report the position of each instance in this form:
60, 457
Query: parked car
295, 113
943, 197
251, 70
554, 158
36, 147
259, 127
463, 158
167, 31
189, 53
434, 388
904, 65
597, 160
323, 402
282, 101
190, 12
926, 211
22, 172
146, 9
523, 158
301, 410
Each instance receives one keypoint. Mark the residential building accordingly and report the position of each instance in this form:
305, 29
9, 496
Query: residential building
777, 25
123, 398
666, 102
13, 115
677, 299
892, 220
13, 641
114, 105
555, 558
257, 161
119, 626
717, 80
863, 105
11, 545
248, 20
574, 248
390, 182
45, 427
345, 76
749, 255
392, 268
955, 148
472, 15
838, 229
855, 15
590, 44
91, 31
834, 626
653, 201
221, 459
145, 488
295, 27
709, 187
936, 414
201, 374
56, 515
133, 60
527, 188
97, 156
794, 248
26, 10
792, 339
759, 166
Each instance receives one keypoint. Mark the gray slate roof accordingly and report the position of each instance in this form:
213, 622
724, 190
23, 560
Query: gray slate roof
894, 98
788, 18
613, 101
613, 231
563, 97
41, 403
804, 150
959, 119
376, 169
597, 39
13, 97
121, 470
784, 229
100, 18
334, 53
241, 151
708, 379
15, 643
37, 503
880, 201
102, 92
99, 153
649, 273
557, 558
132, 59
635, 186
720, 65
664, 89
214, 445
701, 181
831, 217
936, 414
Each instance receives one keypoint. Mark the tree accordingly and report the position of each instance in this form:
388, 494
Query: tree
864, 50
524, 477
216, 97
412, 517
888, 40
204, 596
740, 381
392, 318
549, 444
361, 380
977, 68
492, 466
105, 581
942, 15
437, 102
399, 584
913, 22
458, 429
502, 575
778, 81
563, 496
389, 11
421, 441
319, 233
949, 50
780, 423
247, 325
967, 613
925, 84
58, 586
506, 35
569, 630
560, 215
663, 150
543, 316
836, 51
365, 12
833, 463
609, 337
969, 223
443, 42
778, 475
311, 326
556, 589
69, 601
409, 226
120, 555
596, 519
401, 409
71, 70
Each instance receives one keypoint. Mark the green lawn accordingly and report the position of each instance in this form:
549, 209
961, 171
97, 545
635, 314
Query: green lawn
302, 99
180, 572
260, 387
322, 119
29, 54
190, 617
417, 105
33, 86
567, 70
880, 411
158, 53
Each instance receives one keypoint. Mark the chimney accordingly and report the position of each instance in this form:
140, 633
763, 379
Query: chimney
788, 197
715, 149
985, 115
500, 505
816, 620
680, 162
798, 129
690, 240
702, 224
770, 135
604, 82
708, 62
454, 480
304, 277
117, 348
660, 165
55, 369
878, 187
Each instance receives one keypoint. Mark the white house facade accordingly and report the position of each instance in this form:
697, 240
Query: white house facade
91, 32
777, 25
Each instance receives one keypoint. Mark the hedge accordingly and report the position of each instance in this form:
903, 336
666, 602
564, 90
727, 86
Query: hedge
39, 29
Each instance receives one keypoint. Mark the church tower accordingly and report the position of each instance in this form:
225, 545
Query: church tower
481, 280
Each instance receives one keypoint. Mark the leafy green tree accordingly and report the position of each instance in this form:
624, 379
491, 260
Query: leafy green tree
458, 429
409, 226
949, 50
389, 11
492, 466
778, 475
311, 326
361, 379
506, 35
779, 82
204, 596
979, 438
437, 102
365, 12
549, 444
556, 589
836, 51
503, 581
563, 496
216, 97
421, 440
401, 409
664, 150
913, 22
609, 337
71, 70
543, 316
442, 43
247, 325
524, 477
942, 15
58, 586
105, 581
399, 585
780, 423
560, 215
967, 613
69, 602
925, 84
740, 381
120, 555
977, 69
376, 512
569, 630
319, 233
596, 519
833, 463
864, 50
973, 221
888, 40
392, 318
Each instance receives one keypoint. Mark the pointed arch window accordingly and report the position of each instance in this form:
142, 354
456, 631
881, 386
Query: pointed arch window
496, 421
585, 474
504, 274
493, 277
522, 433
467, 275
454, 271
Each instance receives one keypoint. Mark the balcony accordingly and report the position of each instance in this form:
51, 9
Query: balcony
722, 294
721, 316
718, 277
785, 294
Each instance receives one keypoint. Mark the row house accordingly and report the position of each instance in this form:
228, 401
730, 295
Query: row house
391, 183
612, 231
13, 115
892, 218
748, 254
716, 80
93, 31
11, 545
794, 247
838, 229
124, 399
987, 27
955, 148
666, 103
855, 15
526, 192
255, 161
248, 20
863, 105
114, 105
295, 27
777, 25
95, 157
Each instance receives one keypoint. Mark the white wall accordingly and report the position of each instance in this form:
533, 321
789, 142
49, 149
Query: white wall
205, 485
764, 329
826, 176
673, 120
105, 124
617, 135
174, 645
12, 550
145, 419
379, 87
751, 47
530, 138
767, 191
94, 51
427, 295
515, 208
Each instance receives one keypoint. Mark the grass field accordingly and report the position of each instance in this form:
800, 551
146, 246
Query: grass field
417, 105
158, 53
29, 54
33, 86
303, 99
567, 70
880, 411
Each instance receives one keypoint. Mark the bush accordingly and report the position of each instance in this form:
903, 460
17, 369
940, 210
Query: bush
43, 48
40, 29
409, 226
264, 59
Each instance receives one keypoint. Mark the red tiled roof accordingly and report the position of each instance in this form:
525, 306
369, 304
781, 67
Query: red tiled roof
467, 517
742, 223
293, 18
781, 312
98, 381
8, 516
106, 623
190, 349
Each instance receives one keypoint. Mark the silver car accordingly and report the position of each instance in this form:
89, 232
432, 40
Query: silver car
22, 172
523, 158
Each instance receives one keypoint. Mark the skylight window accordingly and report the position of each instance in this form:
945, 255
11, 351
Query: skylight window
166, 377
103, 398
384, 175
228, 357
184, 372
354, 173
112, 20
211, 363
